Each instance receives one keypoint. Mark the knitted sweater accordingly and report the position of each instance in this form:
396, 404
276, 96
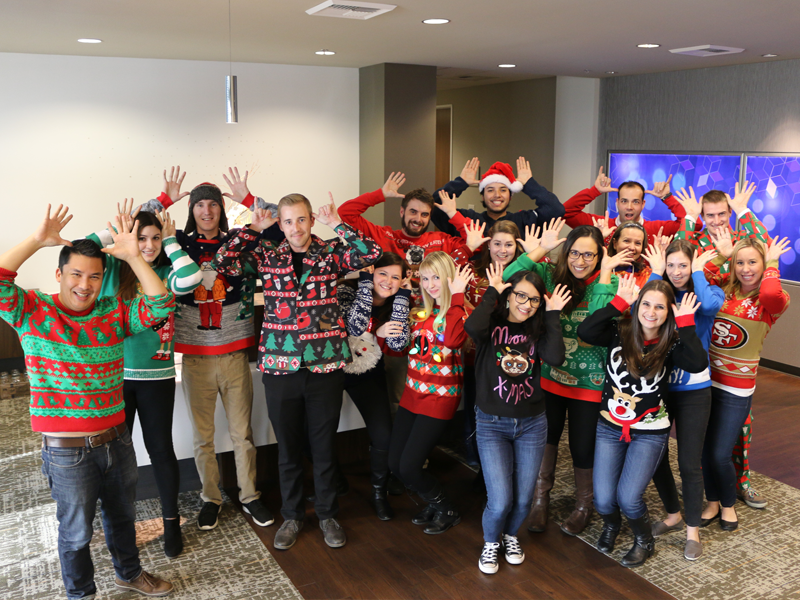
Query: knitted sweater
435, 371
148, 355
507, 365
739, 331
582, 373
74, 360
638, 403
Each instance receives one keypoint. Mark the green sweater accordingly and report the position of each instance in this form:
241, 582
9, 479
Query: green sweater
583, 372
149, 354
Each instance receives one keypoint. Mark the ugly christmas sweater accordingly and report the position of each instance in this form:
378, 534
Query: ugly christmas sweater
739, 331
507, 364
638, 403
74, 360
435, 370
149, 355
303, 326
581, 374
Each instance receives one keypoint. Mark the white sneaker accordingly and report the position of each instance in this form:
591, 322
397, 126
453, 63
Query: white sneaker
513, 551
488, 560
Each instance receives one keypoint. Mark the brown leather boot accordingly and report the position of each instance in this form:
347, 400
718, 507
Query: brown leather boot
584, 503
541, 494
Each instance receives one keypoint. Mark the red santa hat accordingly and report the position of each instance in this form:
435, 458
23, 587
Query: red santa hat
500, 172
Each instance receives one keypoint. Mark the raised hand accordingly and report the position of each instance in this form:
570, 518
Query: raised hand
741, 197
660, 188
603, 183
688, 306
661, 240
406, 283
390, 329
655, 256
475, 238
238, 185
494, 273
49, 231
172, 184
470, 171
604, 225
722, 240
262, 219
125, 234
127, 208
523, 170
167, 224
628, 290
550, 232
777, 248
393, 184
689, 203
458, 284
531, 241
699, 262
623, 257
448, 205
328, 214
558, 299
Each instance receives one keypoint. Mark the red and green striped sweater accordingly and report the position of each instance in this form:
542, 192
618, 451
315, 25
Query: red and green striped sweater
74, 360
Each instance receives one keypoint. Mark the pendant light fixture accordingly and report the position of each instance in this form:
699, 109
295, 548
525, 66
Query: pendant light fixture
231, 106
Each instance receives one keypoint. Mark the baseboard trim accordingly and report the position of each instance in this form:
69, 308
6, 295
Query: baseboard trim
783, 368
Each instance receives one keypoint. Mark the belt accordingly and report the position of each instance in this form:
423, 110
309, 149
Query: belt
89, 441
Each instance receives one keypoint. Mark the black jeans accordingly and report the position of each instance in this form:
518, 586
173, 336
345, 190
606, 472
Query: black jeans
689, 411
154, 401
582, 426
413, 438
291, 401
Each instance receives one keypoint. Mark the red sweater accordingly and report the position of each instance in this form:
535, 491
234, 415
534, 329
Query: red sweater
433, 387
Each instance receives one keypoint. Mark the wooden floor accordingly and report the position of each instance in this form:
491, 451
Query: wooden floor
395, 559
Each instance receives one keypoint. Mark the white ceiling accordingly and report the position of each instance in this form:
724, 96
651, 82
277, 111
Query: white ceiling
542, 37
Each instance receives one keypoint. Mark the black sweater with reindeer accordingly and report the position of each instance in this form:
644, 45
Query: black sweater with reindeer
635, 403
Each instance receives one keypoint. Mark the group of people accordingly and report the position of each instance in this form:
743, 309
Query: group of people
609, 330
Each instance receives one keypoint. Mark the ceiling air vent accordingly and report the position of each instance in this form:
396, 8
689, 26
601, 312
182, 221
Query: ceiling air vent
350, 10
707, 50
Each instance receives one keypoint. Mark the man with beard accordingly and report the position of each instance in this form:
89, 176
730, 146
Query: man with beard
496, 187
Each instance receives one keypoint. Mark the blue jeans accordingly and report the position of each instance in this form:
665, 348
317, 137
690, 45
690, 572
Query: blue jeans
78, 477
622, 469
728, 414
511, 453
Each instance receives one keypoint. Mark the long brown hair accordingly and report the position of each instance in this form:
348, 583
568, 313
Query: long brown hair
631, 336
562, 275
127, 286
485, 258
733, 284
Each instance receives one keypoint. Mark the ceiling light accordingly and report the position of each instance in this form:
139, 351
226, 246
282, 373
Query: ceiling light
648, 45
506, 66
611, 72
231, 95
89, 41
769, 55
324, 52
436, 21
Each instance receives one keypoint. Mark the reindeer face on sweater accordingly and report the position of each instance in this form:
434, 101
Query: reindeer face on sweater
622, 406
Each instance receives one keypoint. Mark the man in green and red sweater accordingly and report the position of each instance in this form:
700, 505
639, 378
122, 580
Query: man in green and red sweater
73, 343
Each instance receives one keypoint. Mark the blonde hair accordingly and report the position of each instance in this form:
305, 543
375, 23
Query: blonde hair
293, 199
734, 285
438, 263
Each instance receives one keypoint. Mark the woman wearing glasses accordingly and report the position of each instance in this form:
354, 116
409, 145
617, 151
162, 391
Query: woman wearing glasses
574, 388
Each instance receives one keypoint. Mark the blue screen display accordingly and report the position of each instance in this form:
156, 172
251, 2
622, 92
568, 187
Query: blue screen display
776, 202
703, 172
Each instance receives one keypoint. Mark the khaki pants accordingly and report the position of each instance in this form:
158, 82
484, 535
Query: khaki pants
202, 377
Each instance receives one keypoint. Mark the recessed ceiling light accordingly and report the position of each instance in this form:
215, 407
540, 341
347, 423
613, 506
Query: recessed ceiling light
769, 55
587, 71
648, 45
90, 41
611, 72
506, 66
325, 52
436, 21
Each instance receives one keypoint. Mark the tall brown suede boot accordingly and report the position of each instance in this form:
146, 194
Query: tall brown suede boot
541, 495
584, 503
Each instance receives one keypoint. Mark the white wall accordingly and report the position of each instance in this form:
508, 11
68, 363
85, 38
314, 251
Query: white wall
91, 131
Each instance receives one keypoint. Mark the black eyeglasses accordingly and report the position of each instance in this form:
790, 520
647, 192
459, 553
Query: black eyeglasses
587, 256
522, 298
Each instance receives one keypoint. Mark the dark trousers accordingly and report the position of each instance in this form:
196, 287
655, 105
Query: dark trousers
291, 401
154, 401
470, 438
689, 411
413, 438
582, 426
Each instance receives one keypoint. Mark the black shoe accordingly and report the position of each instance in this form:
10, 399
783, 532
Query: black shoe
442, 521
395, 487
728, 525
709, 521
425, 516
643, 542
380, 503
259, 512
207, 518
608, 537
173, 541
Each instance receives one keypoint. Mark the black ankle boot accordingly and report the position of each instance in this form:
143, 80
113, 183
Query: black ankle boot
380, 503
611, 527
425, 516
445, 517
643, 542
173, 541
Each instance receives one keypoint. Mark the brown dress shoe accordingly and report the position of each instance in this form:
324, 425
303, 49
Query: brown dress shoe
146, 584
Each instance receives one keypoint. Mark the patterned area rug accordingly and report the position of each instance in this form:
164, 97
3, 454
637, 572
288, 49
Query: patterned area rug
229, 562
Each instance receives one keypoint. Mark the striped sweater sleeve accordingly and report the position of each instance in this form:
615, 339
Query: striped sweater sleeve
185, 275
